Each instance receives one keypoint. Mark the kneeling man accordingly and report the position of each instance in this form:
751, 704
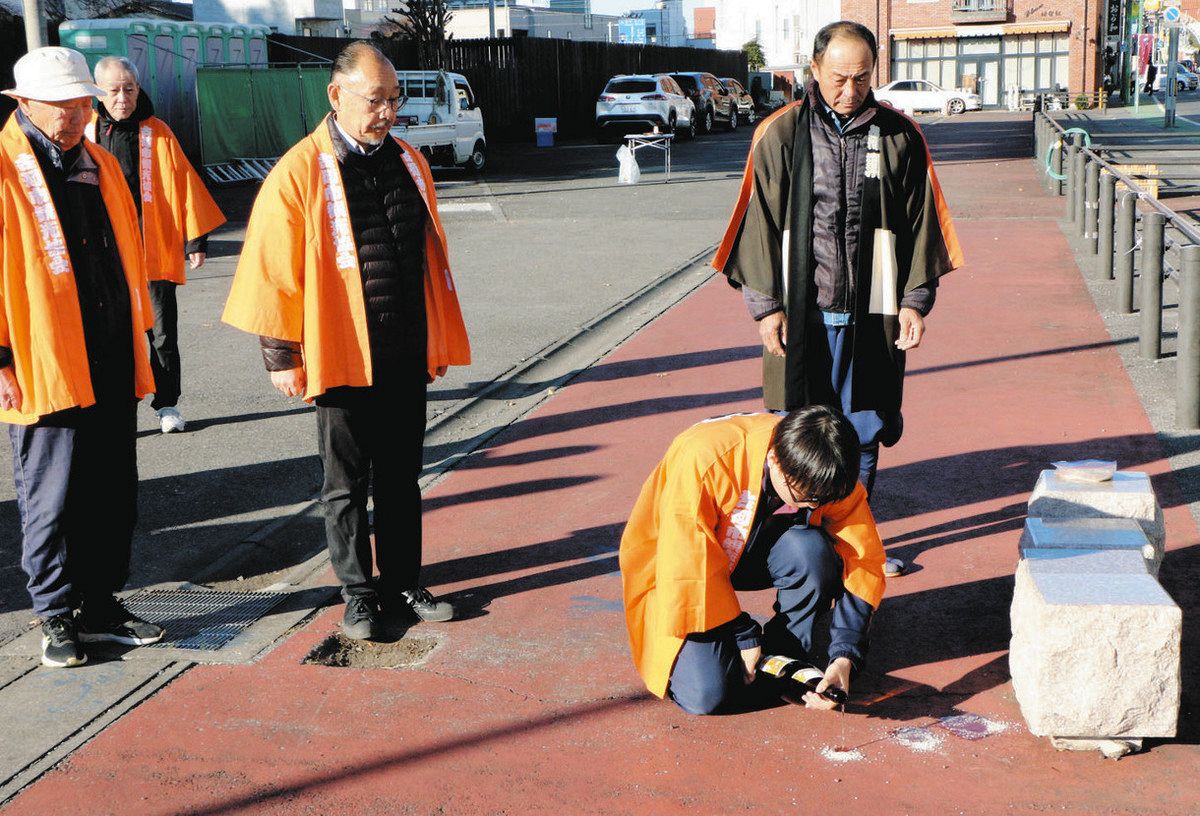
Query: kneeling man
745, 502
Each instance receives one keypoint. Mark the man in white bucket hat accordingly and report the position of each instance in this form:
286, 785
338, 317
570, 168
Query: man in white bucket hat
73, 356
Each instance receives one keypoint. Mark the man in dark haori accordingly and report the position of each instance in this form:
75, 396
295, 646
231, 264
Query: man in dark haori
837, 241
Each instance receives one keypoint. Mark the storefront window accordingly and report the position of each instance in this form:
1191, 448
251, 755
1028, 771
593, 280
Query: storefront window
1028, 61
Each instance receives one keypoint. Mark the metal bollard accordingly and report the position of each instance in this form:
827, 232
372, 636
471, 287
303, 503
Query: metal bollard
1057, 162
1091, 207
1104, 224
1072, 149
1038, 136
1123, 252
1187, 366
1081, 164
1150, 305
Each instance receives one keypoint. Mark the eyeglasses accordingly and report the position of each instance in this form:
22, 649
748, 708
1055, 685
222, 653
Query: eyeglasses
393, 102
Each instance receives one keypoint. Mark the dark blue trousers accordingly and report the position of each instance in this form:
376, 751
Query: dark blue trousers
75, 474
873, 427
806, 572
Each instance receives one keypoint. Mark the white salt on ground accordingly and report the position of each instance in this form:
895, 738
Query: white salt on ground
834, 755
918, 739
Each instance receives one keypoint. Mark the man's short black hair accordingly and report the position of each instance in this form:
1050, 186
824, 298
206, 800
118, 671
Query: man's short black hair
844, 28
818, 451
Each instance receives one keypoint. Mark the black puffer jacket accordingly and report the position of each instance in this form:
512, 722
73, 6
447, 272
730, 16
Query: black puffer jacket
387, 216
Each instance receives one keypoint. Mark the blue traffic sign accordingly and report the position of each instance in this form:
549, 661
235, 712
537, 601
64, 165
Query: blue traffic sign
1171, 14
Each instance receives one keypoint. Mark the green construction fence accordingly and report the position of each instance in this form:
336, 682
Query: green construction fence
258, 112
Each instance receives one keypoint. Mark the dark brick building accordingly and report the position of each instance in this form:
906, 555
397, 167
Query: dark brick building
989, 44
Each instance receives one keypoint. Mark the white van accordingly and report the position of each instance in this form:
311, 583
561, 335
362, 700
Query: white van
441, 116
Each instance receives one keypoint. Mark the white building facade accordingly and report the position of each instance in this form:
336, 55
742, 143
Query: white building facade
784, 28
663, 23
311, 18
529, 21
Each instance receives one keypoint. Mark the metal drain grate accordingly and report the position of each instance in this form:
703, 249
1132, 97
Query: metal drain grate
201, 619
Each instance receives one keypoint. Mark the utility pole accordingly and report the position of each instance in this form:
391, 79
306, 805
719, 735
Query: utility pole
1172, 73
492, 19
35, 25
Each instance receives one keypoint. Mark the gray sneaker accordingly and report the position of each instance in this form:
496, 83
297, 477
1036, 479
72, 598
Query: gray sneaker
361, 618
425, 606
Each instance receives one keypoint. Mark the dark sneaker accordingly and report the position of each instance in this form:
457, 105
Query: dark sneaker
108, 620
425, 606
60, 642
361, 617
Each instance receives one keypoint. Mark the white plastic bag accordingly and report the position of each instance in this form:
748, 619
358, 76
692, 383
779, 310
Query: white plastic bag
630, 172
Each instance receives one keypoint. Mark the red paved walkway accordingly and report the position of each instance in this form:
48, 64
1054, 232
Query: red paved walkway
534, 707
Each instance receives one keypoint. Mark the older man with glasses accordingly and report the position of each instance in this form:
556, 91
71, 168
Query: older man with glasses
73, 356
344, 276
176, 213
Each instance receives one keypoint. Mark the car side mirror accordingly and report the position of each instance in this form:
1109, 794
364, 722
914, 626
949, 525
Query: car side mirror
464, 104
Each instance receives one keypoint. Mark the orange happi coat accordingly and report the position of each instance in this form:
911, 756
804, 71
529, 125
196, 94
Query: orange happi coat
39, 314
176, 206
298, 278
689, 528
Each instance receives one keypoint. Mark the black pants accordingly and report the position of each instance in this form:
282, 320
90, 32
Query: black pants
164, 345
806, 572
374, 438
75, 474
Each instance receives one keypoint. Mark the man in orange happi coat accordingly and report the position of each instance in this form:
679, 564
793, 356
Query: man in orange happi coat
73, 356
743, 502
175, 209
344, 276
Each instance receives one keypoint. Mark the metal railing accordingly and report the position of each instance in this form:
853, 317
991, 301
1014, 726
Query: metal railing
1134, 238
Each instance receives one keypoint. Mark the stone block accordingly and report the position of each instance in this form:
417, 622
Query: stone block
1128, 495
1108, 534
1094, 655
1062, 561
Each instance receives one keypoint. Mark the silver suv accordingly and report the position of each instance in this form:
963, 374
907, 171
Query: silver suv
631, 101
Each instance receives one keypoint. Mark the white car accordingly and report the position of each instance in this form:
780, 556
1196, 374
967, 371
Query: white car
922, 95
634, 101
1185, 80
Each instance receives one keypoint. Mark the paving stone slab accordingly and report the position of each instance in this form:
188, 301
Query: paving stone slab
1095, 655
1090, 534
45, 708
1128, 495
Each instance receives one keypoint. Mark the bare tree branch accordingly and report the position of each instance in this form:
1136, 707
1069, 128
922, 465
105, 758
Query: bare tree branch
424, 22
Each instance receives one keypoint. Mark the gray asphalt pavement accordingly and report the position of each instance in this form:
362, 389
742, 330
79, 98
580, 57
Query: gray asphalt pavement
540, 245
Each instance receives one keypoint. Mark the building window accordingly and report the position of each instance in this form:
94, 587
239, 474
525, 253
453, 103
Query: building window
784, 31
1027, 61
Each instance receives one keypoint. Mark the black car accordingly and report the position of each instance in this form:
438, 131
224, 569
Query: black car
745, 102
713, 103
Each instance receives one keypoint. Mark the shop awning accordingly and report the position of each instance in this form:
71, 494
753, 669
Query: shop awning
1005, 29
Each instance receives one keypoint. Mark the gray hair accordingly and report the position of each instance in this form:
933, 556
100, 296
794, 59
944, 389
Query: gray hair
348, 60
123, 63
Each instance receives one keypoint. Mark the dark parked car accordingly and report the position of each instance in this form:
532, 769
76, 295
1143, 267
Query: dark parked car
745, 102
713, 103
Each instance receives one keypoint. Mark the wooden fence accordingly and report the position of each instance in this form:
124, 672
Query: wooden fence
519, 79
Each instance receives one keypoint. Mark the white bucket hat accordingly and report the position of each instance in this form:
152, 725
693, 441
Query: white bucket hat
53, 74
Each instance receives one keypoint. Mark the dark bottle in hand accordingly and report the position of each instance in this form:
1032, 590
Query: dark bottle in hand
797, 678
